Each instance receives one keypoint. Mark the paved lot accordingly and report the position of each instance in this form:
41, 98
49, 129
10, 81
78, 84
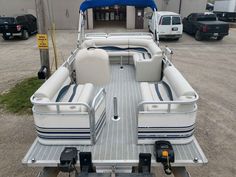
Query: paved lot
210, 66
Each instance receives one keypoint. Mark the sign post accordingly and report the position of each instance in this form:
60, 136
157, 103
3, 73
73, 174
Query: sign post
42, 37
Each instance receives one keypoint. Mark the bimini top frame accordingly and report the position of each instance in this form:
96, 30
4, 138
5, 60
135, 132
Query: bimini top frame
88, 4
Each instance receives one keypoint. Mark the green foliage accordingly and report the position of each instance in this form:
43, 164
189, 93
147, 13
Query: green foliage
17, 99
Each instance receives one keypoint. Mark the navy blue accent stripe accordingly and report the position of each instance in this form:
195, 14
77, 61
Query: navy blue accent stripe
168, 90
60, 128
63, 132
184, 131
73, 94
114, 48
64, 137
158, 92
168, 136
170, 127
37, 127
98, 126
62, 93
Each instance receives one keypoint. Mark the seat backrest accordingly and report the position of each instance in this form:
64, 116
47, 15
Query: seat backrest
53, 84
92, 66
178, 83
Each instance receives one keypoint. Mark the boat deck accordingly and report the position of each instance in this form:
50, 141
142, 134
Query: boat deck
117, 142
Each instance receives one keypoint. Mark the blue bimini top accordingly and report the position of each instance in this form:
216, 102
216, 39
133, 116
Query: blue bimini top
87, 4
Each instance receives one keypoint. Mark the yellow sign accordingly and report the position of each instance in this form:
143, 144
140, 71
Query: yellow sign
42, 40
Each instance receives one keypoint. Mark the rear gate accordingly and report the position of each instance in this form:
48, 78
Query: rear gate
170, 25
7, 25
8, 28
165, 25
217, 29
177, 26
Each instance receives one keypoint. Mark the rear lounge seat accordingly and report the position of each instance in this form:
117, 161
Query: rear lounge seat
58, 88
63, 110
63, 124
158, 121
173, 87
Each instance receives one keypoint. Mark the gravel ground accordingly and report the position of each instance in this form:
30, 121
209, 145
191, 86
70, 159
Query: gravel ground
209, 66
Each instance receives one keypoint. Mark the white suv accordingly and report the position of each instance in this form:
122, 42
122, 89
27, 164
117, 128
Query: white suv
169, 25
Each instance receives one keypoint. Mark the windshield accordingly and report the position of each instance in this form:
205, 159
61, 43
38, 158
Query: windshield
6, 20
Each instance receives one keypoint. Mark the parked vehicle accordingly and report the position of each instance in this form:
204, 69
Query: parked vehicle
205, 25
23, 26
169, 25
225, 10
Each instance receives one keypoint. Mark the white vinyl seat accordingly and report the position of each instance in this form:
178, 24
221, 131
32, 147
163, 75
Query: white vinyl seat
62, 106
159, 91
147, 64
173, 114
92, 66
58, 88
173, 87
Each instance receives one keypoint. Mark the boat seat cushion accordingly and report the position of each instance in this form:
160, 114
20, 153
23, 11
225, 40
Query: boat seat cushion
92, 66
159, 91
177, 82
58, 88
76, 93
53, 84
173, 87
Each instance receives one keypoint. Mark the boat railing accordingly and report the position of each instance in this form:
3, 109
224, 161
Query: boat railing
95, 35
169, 106
58, 106
144, 35
100, 96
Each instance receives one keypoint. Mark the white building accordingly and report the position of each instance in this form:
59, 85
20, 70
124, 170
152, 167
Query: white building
65, 13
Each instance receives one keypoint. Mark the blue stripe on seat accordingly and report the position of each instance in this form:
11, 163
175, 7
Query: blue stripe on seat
73, 94
62, 93
168, 90
158, 92
114, 48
